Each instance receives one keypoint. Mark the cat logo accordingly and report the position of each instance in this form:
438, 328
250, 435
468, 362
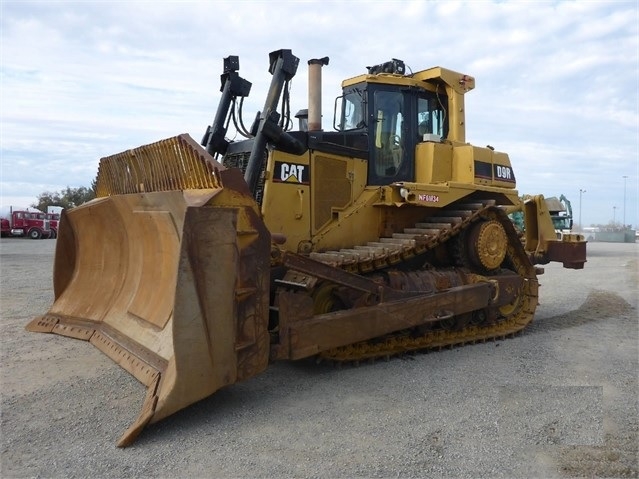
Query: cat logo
291, 173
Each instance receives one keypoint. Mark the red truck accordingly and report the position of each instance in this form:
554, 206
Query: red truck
27, 222
53, 215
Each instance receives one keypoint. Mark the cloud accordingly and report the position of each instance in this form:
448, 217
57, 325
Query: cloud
557, 82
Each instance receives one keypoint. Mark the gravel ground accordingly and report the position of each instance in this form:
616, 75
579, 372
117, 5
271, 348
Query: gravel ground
559, 400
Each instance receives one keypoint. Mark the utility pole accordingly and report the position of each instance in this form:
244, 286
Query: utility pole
581, 226
625, 177
614, 210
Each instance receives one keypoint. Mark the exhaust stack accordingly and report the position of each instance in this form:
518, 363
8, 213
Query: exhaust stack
315, 93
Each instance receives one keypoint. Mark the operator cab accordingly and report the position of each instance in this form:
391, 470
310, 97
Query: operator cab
394, 116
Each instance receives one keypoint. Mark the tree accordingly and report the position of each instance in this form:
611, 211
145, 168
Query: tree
67, 198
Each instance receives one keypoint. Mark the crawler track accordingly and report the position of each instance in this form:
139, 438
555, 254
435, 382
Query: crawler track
438, 230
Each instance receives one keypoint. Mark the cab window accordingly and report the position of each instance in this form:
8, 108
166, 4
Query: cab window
352, 116
431, 115
388, 115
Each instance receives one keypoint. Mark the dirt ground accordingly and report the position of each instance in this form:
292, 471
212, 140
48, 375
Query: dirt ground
559, 400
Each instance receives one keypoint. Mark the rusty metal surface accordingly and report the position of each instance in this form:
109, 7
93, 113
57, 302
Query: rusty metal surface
426, 281
145, 416
571, 253
177, 163
443, 294
510, 307
508, 287
313, 334
172, 286
339, 276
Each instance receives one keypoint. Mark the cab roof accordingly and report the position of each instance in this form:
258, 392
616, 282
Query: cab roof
428, 79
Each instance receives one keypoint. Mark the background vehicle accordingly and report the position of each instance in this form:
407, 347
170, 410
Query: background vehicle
53, 215
559, 209
27, 222
385, 236
561, 213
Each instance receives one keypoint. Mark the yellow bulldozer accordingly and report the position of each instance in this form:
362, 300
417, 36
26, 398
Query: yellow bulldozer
199, 264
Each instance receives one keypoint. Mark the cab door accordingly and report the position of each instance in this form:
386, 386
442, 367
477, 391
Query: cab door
391, 138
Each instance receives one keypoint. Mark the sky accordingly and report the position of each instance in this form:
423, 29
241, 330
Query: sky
556, 82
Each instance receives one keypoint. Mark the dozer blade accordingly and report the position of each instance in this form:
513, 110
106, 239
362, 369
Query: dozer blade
171, 285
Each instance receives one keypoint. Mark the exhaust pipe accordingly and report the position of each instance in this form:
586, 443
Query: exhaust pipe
315, 93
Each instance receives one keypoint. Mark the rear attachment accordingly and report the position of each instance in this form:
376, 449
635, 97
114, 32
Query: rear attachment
167, 273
